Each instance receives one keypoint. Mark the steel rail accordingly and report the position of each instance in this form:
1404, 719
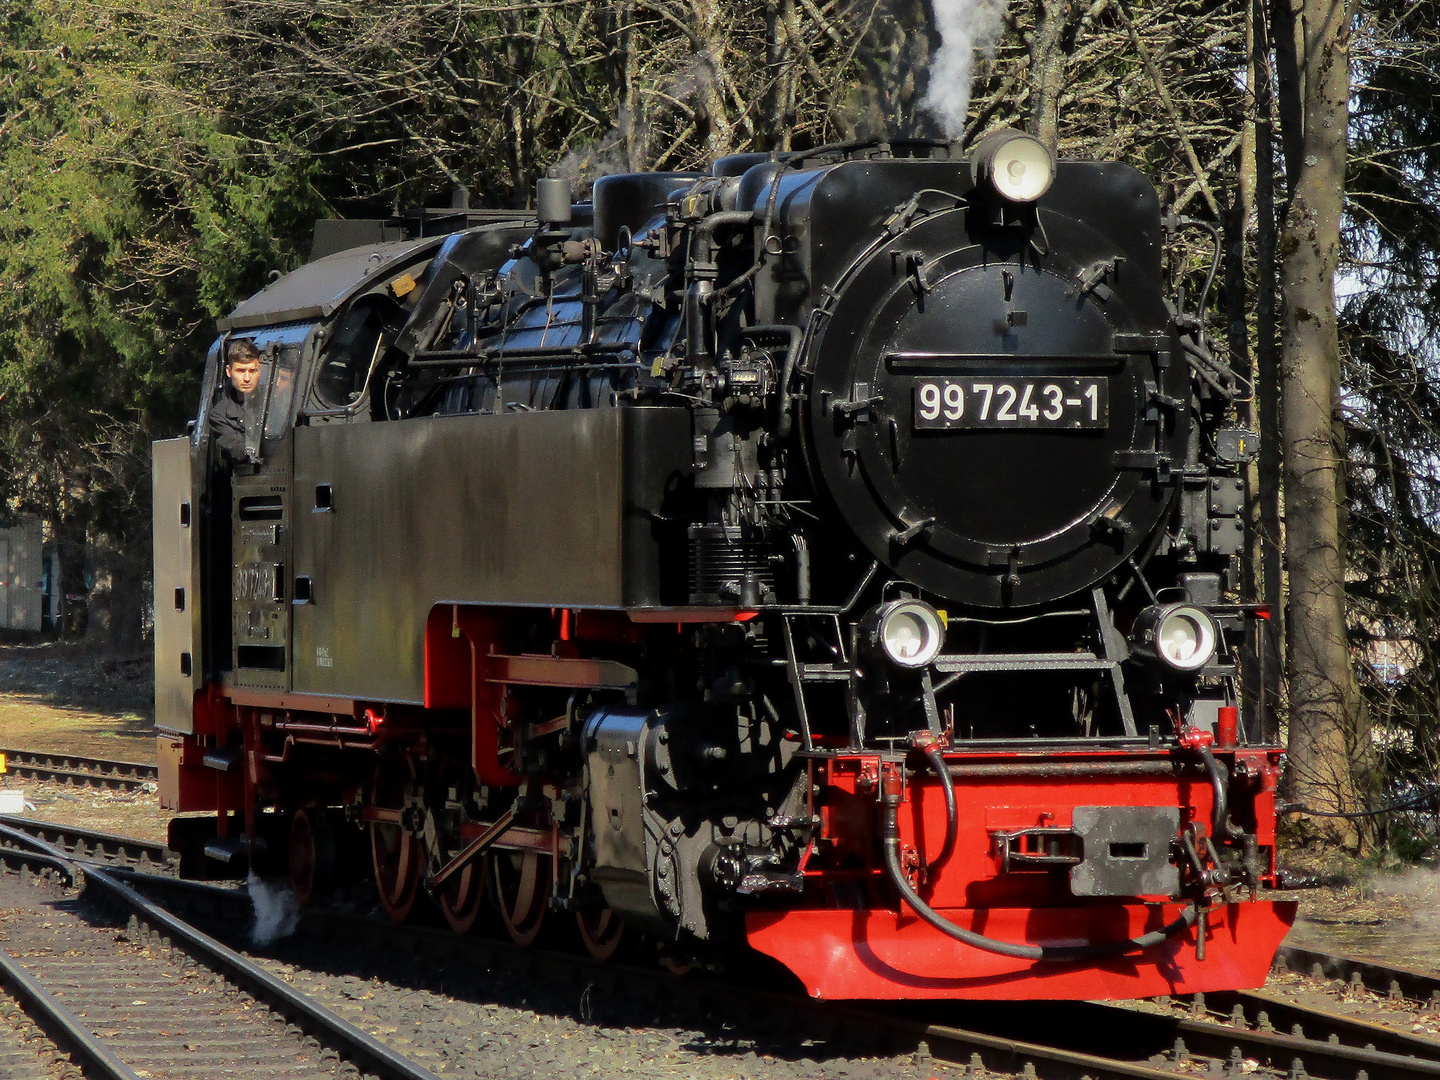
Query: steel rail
1381, 978
945, 1042
362, 1048
1383, 1053
80, 770
997, 1053
1272, 1011
58, 1022
81, 843
1316, 1058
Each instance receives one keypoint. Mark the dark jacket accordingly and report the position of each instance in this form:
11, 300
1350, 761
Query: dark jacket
227, 426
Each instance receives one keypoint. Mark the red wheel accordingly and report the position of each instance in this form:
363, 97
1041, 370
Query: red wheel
459, 898
396, 853
520, 882
600, 930
312, 855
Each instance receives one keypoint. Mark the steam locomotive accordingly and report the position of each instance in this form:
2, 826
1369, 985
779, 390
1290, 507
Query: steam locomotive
834, 553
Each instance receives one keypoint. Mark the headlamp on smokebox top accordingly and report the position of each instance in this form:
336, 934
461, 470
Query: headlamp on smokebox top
1180, 636
908, 633
1014, 165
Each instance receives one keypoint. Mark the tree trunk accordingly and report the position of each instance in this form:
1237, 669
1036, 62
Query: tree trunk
1047, 62
618, 22
1323, 702
1267, 388
707, 75
1237, 333
70, 557
781, 64
1290, 92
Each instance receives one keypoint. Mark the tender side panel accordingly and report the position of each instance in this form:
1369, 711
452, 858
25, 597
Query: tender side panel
540, 509
177, 587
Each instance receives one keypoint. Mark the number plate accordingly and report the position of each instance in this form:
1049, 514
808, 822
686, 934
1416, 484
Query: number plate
1058, 402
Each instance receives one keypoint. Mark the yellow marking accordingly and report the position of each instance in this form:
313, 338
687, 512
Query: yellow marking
944, 617
2, 762
402, 285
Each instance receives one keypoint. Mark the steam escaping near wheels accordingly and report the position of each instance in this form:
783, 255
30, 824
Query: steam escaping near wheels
277, 912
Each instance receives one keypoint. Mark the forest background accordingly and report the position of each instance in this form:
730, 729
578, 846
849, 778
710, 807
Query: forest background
159, 160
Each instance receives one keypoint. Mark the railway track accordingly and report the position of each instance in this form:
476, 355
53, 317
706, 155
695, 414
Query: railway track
80, 771
163, 999
1190, 1037
1222, 1035
1183, 1037
102, 847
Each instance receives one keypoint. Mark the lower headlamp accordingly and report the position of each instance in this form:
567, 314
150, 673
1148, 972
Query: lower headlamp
908, 632
1181, 636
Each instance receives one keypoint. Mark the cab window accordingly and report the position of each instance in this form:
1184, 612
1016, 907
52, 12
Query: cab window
345, 367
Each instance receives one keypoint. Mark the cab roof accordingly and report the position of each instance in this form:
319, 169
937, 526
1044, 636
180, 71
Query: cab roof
318, 288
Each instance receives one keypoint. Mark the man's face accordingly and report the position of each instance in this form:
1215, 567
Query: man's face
244, 375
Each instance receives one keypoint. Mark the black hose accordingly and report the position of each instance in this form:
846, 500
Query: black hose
890, 830
952, 814
1219, 785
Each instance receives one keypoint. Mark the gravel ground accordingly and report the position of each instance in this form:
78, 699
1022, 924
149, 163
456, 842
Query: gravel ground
461, 1023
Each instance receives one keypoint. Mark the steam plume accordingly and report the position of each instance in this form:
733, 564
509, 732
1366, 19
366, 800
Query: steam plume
276, 912
967, 27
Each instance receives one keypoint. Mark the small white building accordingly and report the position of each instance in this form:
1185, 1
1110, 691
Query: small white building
21, 573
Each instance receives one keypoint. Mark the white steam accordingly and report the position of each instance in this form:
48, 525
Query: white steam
277, 913
967, 28
610, 154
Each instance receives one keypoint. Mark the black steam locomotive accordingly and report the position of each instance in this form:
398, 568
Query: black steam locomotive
833, 552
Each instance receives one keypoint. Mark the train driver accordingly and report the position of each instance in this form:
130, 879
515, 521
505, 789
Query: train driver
227, 412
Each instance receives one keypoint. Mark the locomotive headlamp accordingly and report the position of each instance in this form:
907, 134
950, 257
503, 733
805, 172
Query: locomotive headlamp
1017, 166
1179, 635
908, 632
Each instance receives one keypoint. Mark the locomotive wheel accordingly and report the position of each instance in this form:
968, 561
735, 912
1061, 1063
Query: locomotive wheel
521, 885
600, 930
312, 855
461, 895
397, 855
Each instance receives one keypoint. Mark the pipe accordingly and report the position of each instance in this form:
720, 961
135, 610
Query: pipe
947, 784
699, 350
890, 832
802, 567
1219, 784
787, 371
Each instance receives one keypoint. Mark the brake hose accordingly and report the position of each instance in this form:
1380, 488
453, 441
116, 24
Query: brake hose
931, 747
1220, 827
890, 833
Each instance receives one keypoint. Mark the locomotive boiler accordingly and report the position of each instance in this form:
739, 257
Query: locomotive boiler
832, 552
